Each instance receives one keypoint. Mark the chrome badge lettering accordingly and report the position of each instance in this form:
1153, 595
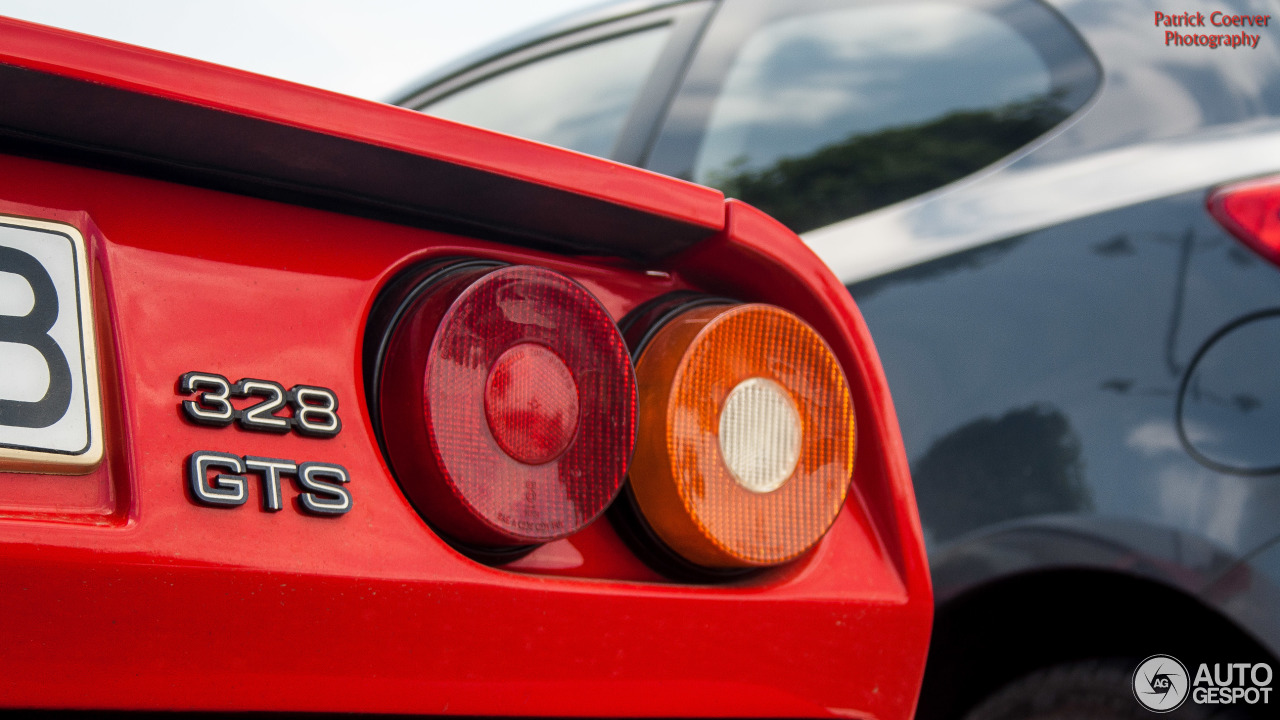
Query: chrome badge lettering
222, 479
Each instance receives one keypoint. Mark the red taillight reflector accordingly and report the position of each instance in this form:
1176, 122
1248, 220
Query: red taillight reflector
531, 403
508, 406
1251, 211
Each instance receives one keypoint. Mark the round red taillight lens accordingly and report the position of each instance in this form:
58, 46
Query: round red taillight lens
508, 406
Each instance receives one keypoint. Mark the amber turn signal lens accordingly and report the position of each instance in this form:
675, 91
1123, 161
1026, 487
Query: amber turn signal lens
746, 436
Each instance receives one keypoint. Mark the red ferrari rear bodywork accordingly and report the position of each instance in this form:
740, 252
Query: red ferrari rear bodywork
241, 226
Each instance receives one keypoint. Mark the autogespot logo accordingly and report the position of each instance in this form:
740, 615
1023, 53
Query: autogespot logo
1160, 683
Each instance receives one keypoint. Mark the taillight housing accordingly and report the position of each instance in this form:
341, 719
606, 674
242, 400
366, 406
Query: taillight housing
1250, 210
746, 440
507, 404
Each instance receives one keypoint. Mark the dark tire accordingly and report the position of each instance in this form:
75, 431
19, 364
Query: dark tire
1090, 690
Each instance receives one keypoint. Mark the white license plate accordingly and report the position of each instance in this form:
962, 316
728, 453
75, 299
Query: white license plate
50, 405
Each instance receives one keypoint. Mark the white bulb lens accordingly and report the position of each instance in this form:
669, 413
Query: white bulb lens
760, 435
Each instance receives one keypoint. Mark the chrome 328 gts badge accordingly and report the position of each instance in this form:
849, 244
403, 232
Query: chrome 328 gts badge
50, 419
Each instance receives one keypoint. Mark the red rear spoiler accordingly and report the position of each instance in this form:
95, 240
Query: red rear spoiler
102, 103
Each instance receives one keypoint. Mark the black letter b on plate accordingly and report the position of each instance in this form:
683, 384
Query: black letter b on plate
32, 330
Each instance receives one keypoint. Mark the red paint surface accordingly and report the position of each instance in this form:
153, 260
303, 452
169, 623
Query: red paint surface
119, 591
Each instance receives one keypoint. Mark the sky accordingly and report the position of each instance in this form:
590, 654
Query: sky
367, 48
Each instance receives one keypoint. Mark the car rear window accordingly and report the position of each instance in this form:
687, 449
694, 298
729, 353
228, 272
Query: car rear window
826, 115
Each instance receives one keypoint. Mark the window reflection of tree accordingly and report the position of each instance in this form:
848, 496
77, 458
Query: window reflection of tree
871, 170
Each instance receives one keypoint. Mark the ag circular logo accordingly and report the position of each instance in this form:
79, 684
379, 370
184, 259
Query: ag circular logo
1160, 683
